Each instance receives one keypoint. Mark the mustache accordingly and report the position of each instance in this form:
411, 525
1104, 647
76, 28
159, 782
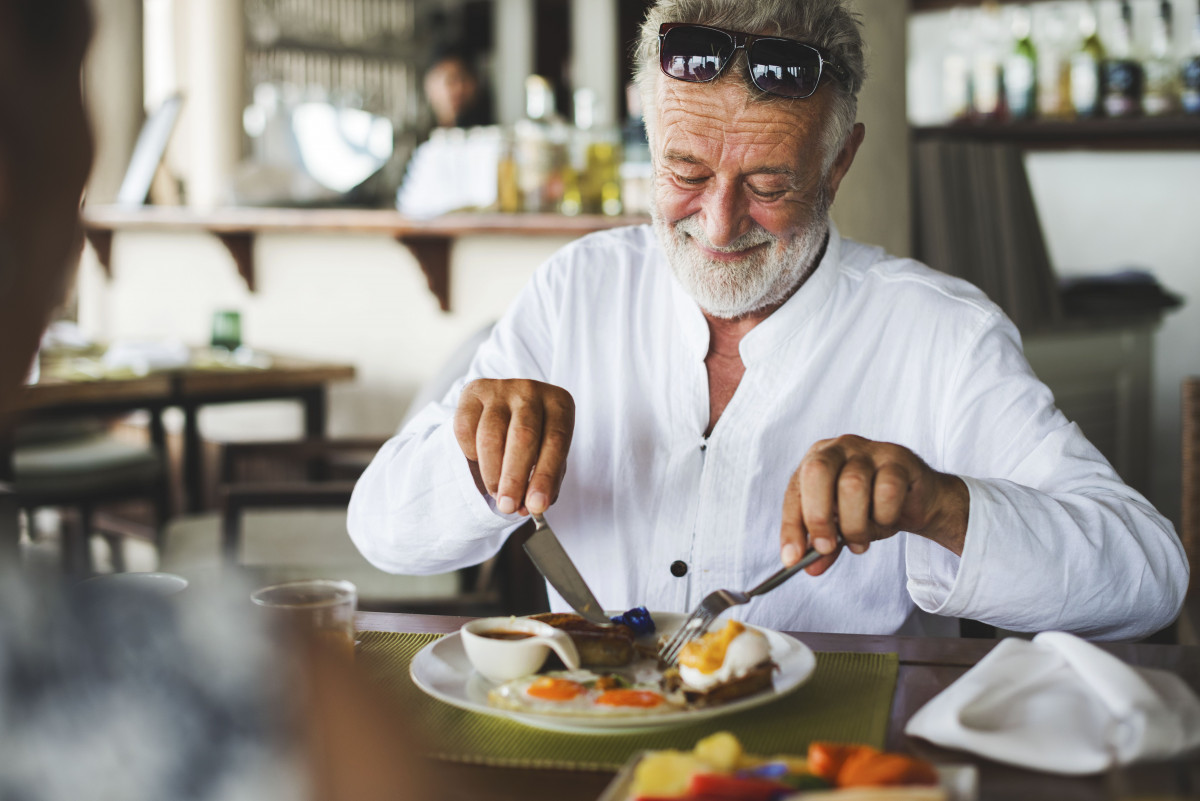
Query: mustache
757, 235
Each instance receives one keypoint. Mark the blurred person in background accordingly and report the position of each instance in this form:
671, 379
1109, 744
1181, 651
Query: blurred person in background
453, 89
117, 693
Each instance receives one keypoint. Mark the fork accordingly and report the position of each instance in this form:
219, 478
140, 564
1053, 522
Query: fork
716, 602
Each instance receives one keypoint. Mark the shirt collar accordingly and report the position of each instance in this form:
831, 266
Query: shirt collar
776, 329
801, 307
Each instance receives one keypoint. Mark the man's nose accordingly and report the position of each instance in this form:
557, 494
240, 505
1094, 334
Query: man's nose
725, 214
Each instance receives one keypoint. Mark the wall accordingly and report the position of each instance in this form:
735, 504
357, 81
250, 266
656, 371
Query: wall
873, 202
1105, 211
353, 298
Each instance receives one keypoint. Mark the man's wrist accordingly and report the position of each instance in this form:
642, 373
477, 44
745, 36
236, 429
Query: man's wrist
948, 525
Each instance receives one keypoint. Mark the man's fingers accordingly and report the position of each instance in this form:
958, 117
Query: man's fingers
490, 438
793, 538
551, 463
854, 485
521, 447
818, 482
793, 535
466, 422
891, 491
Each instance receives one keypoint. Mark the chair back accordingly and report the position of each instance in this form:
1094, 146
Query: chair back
1190, 518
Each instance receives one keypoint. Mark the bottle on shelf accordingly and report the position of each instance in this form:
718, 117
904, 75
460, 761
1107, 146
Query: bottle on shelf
1190, 76
1054, 66
1020, 67
508, 192
987, 95
1161, 93
957, 67
540, 149
593, 185
1123, 77
1085, 66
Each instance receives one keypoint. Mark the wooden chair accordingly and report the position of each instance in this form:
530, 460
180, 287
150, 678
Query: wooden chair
79, 464
1189, 529
294, 528
283, 516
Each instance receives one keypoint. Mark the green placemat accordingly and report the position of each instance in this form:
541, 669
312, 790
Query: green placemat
847, 699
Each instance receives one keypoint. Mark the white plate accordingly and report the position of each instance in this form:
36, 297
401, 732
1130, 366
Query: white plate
442, 670
960, 782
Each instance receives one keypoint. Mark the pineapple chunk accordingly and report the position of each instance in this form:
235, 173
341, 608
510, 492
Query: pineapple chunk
721, 751
666, 774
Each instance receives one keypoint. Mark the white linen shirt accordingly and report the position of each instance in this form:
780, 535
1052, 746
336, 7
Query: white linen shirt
872, 345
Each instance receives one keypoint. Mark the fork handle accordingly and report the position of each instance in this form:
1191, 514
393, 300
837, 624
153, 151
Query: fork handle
777, 578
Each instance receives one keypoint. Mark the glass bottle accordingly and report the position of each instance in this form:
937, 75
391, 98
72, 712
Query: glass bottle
540, 149
1161, 94
986, 84
1020, 68
1054, 67
1190, 96
595, 159
508, 193
1085, 66
1123, 76
956, 68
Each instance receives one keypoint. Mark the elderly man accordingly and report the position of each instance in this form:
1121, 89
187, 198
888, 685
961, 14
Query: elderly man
739, 381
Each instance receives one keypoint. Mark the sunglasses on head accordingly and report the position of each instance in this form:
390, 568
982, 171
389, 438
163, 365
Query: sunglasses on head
784, 67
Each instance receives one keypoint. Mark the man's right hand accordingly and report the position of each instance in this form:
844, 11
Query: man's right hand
516, 434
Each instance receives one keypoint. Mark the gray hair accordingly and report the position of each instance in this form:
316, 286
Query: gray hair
826, 24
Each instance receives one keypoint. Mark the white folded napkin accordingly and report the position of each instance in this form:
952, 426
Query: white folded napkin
1061, 705
142, 356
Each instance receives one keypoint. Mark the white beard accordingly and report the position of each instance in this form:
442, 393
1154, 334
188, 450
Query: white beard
731, 289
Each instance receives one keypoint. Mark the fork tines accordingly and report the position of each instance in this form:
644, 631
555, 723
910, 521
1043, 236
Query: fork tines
693, 627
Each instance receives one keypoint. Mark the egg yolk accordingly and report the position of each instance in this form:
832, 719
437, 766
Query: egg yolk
553, 689
707, 653
639, 698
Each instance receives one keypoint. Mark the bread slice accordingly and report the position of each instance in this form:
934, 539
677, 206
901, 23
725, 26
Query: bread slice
757, 679
598, 646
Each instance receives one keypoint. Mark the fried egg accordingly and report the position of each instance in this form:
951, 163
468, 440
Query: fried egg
578, 692
722, 656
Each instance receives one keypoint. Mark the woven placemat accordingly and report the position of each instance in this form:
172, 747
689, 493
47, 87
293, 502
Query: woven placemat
847, 699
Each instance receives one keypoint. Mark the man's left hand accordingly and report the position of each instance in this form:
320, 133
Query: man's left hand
867, 491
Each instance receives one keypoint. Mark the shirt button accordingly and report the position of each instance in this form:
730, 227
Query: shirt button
679, 568
703, 446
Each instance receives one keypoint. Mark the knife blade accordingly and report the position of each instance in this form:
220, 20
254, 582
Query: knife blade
556, 567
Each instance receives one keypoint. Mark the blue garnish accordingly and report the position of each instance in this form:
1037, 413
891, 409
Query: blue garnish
637, 619
771, 770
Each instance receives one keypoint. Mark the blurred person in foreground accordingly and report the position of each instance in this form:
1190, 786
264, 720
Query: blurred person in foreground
737, 382
115, 693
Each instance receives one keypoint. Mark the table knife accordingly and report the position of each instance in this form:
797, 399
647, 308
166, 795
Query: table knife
553, 563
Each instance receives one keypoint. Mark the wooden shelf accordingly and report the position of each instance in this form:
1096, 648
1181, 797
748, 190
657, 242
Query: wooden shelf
428, 241
1138, 133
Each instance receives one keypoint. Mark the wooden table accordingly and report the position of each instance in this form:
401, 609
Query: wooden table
927, 666
187, 388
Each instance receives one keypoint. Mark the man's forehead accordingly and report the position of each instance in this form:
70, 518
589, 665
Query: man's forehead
697, 119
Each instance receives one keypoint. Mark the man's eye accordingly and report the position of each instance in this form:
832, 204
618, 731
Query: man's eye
767, 194
690, 181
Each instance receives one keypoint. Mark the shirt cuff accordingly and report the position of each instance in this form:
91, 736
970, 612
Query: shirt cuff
940, 582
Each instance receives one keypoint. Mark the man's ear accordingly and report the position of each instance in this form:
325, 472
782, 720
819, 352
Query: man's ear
841, 165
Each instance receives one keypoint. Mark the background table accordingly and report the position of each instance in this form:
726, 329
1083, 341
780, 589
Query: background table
927, 666
188, 388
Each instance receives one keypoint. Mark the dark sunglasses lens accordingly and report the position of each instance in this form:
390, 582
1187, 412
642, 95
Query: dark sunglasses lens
785, 68
695, 54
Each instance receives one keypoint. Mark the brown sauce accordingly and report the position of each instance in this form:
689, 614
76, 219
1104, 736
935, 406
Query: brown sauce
500, 634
